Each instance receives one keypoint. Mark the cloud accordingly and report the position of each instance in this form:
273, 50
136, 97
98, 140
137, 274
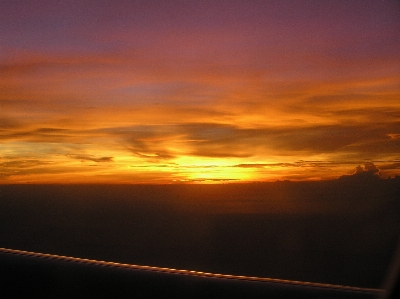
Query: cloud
394, 136
167, 141
390, 166
10, 168
24, 163
216, 140
91, 158
8, 123
319, 164
25, 132
255, 85
369, 169
256, 165
153, 156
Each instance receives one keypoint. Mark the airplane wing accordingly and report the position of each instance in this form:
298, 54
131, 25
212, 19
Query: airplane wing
28, 274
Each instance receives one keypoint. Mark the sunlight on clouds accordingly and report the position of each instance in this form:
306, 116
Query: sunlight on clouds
203, 170
229, 97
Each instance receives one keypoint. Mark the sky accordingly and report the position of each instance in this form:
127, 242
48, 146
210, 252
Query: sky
198, 91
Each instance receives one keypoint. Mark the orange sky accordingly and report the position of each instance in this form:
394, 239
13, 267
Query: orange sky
132, 92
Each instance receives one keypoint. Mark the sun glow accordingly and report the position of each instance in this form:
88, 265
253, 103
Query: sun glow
195, 169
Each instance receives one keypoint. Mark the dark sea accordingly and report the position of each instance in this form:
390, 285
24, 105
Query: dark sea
338, 232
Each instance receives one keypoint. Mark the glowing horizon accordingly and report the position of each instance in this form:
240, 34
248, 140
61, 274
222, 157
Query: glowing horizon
162, 93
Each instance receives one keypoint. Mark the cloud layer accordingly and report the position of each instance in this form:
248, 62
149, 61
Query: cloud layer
148, 93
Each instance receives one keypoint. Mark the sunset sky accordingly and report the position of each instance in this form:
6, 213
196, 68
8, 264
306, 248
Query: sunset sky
182, 91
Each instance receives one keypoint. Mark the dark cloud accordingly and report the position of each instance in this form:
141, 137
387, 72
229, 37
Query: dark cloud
390, 166
368, 168
219, 153
24, 163
45, 134
345, 102
219, 140
50, 130
294, 164
366, 141
8, 124
223, 140
215, 139
147, 142
206, 180
13, 167
261, 165
91, 158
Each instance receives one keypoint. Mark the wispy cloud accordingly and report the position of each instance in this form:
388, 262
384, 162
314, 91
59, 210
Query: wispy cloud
256, 90
91, 158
